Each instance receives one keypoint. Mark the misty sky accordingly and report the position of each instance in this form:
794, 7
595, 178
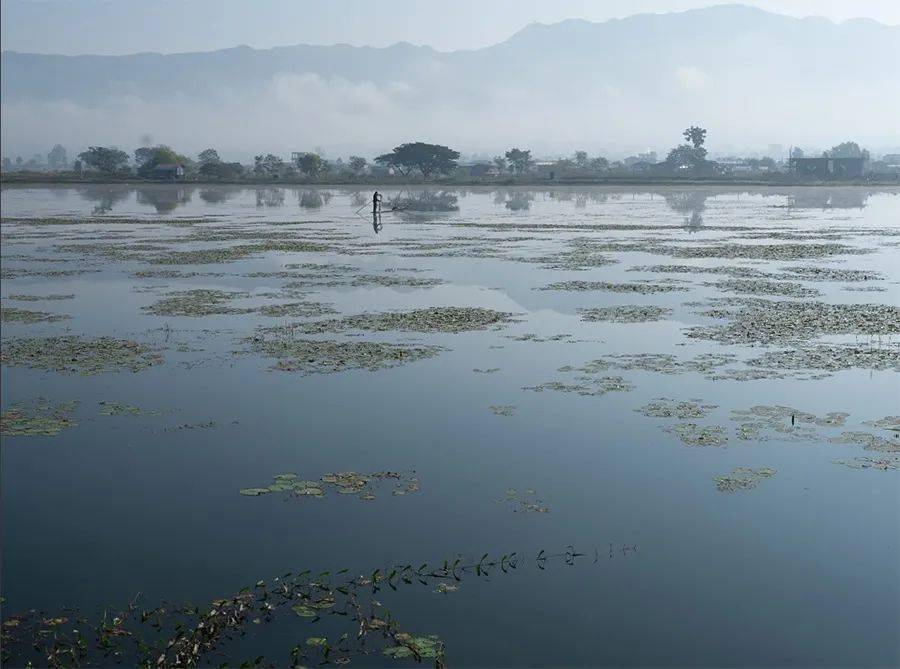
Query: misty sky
166, 26
610, 87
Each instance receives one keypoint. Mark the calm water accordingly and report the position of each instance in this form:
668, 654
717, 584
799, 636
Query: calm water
804, 570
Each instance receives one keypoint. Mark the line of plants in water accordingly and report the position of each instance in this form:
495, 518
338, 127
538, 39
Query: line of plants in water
190, 636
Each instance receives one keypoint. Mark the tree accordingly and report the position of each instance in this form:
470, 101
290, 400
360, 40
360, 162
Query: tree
269, 165
429, 159
57, 156
311, 164
581, 159
148, 158
599, 164
357, 164
104, 159
220, 170
685, 155
208, 156
500, 164
847, 150
519, 160
696, 136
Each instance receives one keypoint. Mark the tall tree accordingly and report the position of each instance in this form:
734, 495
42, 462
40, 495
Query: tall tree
104, 159
519, 160
429, 159
847, 150
311, 164
581, 159
208, 156
148, 158
696, 136
357, 164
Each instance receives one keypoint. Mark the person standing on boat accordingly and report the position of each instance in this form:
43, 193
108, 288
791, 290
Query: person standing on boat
376, 202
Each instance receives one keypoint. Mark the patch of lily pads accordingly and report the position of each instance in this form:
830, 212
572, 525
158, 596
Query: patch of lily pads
315, 356
625, 314
37, 418
682, 410
862, 462
742, 478
587, 386
432, 319
345, 483
198, 302
606, 286
73, 354
761, 321
39, 298
693, 434
28, 317
763, 287
524, 501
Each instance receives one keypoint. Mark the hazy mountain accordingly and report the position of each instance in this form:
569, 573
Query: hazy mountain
752, 77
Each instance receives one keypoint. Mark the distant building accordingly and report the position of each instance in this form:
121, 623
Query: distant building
169, 171
829, 168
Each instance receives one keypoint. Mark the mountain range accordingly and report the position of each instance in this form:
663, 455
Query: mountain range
753, 78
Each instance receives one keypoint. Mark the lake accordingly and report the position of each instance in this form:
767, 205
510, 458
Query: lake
669, 418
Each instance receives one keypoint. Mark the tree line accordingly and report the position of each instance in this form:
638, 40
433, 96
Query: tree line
412, 159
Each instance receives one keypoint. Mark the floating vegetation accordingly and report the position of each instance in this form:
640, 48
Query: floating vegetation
830, 357
416, 647
586, 286
862, 462
786, 421
345, 483
432, 319
869, 442
760, 321
625, 314
37, 418
232, 253
78, 355
198, 302
313, 356
763, 287
832, 274
503, 409
761, 251
118, 409
444, 588
738, 272
296, 310
395, 281
742, 478
661, 363
590, 387
18, 272
692, 434
492, 370
887, 423
530, 336
669, 408
524, 501
14, 315
38, 298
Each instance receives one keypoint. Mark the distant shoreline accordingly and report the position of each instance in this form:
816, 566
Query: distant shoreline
32, 179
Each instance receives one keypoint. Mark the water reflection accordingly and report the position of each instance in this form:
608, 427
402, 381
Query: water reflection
690, 203
165, 199
270, 197
106, 197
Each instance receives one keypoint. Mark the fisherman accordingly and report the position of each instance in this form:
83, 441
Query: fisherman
376, 202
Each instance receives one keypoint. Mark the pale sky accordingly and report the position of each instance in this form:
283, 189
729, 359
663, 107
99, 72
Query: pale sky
167, 26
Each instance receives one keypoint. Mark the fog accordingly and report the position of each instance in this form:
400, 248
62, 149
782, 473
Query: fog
752, 78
